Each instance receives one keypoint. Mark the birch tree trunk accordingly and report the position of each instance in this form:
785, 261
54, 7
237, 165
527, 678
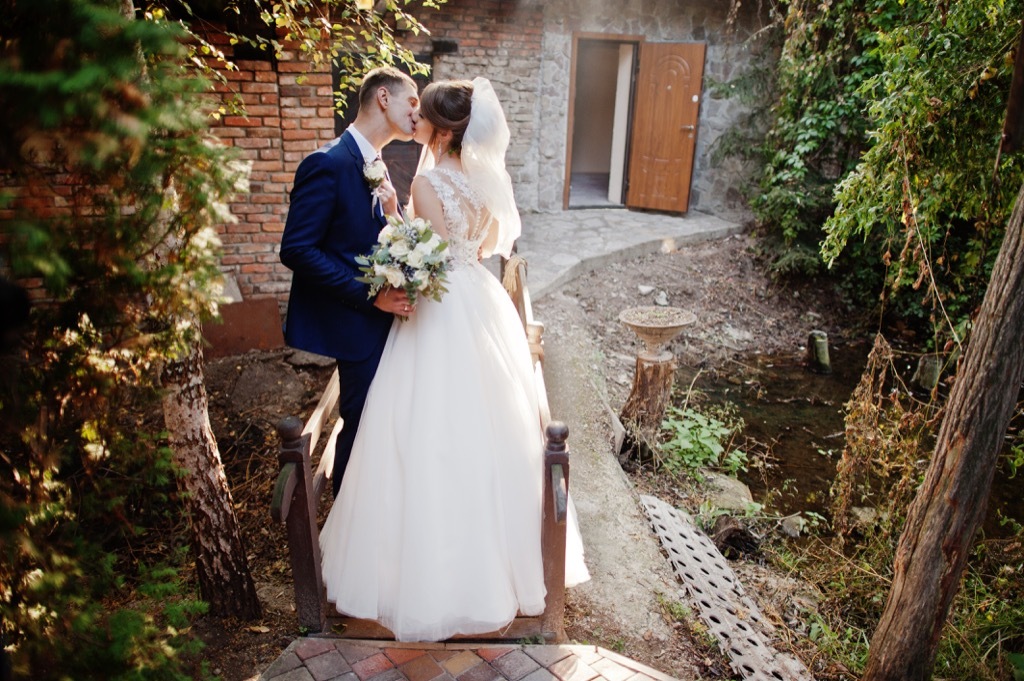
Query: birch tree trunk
225, 582
224, 578
950, 506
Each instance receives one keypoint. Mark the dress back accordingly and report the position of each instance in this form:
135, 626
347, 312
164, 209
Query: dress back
467, 218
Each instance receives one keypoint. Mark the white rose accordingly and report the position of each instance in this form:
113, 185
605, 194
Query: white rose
415, 258
421, 280
399, 248
433, 242
394, 276
374, 172
386, 234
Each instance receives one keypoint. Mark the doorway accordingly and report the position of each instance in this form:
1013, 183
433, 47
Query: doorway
633, 110
602, 102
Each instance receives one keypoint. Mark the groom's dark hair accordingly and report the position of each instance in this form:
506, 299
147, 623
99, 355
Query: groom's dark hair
383, 76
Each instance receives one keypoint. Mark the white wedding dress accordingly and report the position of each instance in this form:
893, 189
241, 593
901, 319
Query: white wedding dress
436, 530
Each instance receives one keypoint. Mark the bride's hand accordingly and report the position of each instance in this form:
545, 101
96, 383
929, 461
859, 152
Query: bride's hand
388, 196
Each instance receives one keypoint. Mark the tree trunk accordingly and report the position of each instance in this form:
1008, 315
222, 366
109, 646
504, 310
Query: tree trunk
950, 506
652, 387
224, 578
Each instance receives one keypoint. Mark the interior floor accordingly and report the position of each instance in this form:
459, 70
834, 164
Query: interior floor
590, 190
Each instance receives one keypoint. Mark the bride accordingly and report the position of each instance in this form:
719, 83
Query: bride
436, 530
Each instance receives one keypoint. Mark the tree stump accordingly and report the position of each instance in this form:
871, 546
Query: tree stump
817, 352
645, 407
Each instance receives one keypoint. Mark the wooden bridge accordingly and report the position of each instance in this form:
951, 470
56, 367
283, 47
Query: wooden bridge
300, 488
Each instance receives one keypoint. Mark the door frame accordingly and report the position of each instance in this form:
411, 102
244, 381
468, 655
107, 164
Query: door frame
577, 36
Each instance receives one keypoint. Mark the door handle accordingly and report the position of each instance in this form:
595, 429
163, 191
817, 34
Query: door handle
687, 127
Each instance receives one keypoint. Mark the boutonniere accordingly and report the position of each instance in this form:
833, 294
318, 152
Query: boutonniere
374, 172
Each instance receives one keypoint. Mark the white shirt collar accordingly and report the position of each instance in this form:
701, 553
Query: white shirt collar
369, 153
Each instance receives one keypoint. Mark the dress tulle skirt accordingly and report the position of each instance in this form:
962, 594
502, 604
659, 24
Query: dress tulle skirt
436, 530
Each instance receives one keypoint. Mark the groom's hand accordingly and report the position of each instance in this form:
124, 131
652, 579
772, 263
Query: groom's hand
394, 301
388, 196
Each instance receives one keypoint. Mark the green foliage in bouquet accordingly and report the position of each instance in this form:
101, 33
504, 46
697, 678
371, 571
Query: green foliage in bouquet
408, 255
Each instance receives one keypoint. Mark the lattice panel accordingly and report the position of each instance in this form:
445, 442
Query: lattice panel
719, 598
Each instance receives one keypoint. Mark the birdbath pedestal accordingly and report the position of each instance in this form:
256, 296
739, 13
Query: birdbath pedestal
655, 369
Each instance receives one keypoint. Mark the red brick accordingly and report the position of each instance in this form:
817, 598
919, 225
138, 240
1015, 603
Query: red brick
491, 654
481, 672
252, 143
271, 133
261, 110
423, 668
318, 124
255, 268
253, 65
317, 79
311, 647
290, 88
241, 122
402, 655
237, 76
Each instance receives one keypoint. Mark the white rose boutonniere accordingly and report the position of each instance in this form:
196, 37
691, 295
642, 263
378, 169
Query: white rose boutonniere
375, 172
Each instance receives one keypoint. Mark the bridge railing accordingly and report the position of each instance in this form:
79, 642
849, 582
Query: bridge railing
299, 490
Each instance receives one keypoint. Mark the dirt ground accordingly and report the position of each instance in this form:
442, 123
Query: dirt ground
739, 311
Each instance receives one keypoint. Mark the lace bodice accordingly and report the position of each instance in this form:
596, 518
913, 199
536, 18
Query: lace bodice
466, 217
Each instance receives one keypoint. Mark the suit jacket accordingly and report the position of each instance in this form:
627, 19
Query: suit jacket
331, 220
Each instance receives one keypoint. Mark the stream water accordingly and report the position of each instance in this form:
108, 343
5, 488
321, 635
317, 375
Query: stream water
798, 417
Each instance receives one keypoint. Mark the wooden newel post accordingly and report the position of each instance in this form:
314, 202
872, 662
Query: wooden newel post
556, 510
294, 498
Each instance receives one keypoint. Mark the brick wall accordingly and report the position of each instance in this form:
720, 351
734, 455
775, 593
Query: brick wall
497, 39
289, 114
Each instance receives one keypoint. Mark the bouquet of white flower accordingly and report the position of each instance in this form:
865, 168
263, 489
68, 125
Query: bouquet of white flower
408, 255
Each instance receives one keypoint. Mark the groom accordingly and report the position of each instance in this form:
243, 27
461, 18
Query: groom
333, 218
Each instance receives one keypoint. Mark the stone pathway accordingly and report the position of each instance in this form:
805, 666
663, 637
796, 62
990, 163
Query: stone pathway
560, 246
332, 659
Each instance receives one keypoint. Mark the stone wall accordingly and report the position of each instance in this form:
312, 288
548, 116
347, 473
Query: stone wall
499, 40
716, 188
525, 48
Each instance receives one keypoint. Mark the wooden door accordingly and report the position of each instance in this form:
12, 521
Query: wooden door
668, 90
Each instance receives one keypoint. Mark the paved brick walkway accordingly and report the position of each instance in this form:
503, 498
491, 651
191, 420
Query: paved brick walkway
333, 659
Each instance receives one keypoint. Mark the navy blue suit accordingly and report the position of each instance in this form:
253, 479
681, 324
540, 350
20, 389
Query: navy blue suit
331, 220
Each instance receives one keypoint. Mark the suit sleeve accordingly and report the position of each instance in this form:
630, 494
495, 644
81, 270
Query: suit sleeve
306, 228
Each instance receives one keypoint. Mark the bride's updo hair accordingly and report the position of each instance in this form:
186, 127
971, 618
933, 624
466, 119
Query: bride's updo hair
447, 105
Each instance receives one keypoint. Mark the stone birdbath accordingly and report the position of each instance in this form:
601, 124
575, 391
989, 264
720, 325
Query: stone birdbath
656, 326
